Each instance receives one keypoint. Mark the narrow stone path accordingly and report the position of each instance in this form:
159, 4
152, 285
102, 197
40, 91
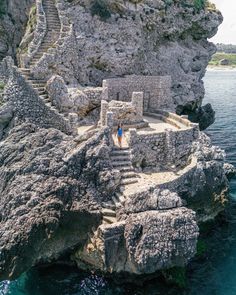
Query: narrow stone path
40, 87
53, 30
52, 35
120, 161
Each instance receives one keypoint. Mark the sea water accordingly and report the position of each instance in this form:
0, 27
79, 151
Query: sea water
214, 274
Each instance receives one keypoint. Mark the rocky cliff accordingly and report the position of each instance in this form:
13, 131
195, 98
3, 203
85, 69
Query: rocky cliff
117, 38
13, 19
58, 191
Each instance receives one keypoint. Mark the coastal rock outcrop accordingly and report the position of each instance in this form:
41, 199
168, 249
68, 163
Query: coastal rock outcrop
51, 191
114, 39
66, 190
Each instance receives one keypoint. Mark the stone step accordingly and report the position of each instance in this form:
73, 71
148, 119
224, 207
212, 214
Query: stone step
40, 88
40, 93
116, 201
109, 220
24, 70
124, 164
115, 148
44, 96
120, 152
119, 158
128, 181
36, 81
109, 205
108, 212
126, 169
126, 175
120, 198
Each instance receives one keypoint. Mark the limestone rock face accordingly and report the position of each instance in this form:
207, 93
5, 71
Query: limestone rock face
49, 200
154, 239
58, 93
13, 18
148, 38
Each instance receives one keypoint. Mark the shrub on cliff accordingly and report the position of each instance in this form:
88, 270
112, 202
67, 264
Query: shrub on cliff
99, 7
2, 9
199, 4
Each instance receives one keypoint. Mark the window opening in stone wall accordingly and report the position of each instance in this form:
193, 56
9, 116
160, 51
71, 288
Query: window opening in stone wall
146, 101
118, 96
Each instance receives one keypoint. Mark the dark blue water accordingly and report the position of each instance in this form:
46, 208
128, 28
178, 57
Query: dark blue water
213, 274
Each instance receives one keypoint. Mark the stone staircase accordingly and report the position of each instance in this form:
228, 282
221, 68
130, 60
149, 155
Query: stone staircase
52, 35
120, 161
40, 87
53, 30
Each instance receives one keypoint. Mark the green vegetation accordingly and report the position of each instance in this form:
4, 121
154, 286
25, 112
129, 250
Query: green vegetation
226, 48
2, 9
99, 7
2, 85
176, 276
199, 4
219, 56
201, 248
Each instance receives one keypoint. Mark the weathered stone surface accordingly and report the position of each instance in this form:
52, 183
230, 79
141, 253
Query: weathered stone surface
58, 93
158, 240
142, 39
49, 198
13, 18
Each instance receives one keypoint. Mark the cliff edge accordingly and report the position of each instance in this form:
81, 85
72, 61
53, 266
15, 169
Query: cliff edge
67, 189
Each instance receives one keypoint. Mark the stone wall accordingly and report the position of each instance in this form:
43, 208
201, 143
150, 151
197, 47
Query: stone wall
162, 150
39, 34
126, 113
156, 90
25, 103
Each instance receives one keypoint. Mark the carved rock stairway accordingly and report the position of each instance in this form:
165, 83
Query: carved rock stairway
121, 161
53, 30
40, 88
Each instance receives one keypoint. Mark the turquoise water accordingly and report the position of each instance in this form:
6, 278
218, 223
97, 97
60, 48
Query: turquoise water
213, 274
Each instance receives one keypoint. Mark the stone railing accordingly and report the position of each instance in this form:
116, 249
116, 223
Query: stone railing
39, 34
26, 103
164, 150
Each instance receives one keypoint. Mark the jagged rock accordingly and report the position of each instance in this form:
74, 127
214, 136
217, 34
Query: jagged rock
168, 200
154, 239
81, 102
13, 18
230, 170
58, 93
205, 115
142, 38
49, 198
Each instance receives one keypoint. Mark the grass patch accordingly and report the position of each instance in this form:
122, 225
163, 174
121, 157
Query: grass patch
216, 58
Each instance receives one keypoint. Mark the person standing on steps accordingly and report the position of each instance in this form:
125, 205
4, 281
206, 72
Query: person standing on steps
119, 134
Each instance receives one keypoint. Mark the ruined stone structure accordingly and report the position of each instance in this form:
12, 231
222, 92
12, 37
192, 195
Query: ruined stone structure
132, 209
127, 113
156, 90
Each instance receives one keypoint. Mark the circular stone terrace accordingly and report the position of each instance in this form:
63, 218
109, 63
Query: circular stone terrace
167, 131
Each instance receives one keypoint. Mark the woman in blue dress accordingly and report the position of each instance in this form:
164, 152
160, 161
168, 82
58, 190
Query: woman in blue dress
119, 134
